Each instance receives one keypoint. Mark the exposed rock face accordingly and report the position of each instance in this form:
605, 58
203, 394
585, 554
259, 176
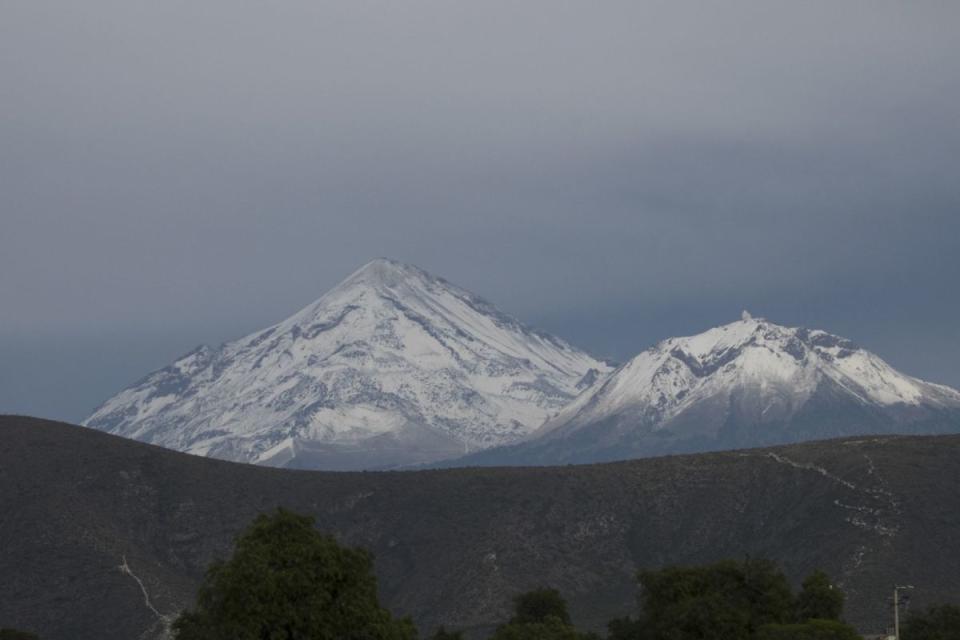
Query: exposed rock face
750, 383
391, 367
105, 538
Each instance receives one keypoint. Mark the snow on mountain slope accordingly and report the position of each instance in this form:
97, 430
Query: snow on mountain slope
748, 383
391, 367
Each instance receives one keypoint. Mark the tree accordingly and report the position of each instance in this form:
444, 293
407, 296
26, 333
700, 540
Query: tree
287, 581
938, 622
819, 599
538, 605
13, 634
628, 629
812, 629
728, 600
551, 629
540, 615
443, 634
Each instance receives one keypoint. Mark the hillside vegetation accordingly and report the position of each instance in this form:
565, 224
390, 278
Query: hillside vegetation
107, 538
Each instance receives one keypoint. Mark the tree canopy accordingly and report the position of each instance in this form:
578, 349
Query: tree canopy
540, 614
730, 600
443, 634
13, 634
939, 622
819, 599
538, 605
811, 629
288, 581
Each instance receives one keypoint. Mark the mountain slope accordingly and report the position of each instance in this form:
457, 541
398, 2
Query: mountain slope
746, 384
393, 366
94, 524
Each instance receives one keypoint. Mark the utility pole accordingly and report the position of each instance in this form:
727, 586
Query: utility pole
896, 608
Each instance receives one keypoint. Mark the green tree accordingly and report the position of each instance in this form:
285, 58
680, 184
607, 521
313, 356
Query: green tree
443, 634
728, 600
812, 629
538, 605
939, 622
540, 615
287, 581
628, 629
550, 629
819, 599
13, 634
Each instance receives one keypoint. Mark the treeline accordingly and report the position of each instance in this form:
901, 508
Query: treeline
288, 581
727, 600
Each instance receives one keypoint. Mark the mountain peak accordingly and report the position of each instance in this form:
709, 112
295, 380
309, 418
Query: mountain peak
392, 366
382, 279
748, 329
387, 267
747, 383
386, 272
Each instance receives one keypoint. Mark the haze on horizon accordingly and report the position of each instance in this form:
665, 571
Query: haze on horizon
179, 173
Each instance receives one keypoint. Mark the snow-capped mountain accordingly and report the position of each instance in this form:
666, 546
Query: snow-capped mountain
391, 367
748, 383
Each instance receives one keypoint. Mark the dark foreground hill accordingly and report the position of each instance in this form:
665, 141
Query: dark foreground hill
104, 538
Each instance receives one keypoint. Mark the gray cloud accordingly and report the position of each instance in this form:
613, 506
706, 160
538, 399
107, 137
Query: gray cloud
178, 172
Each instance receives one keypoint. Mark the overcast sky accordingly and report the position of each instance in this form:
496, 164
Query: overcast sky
176, 172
